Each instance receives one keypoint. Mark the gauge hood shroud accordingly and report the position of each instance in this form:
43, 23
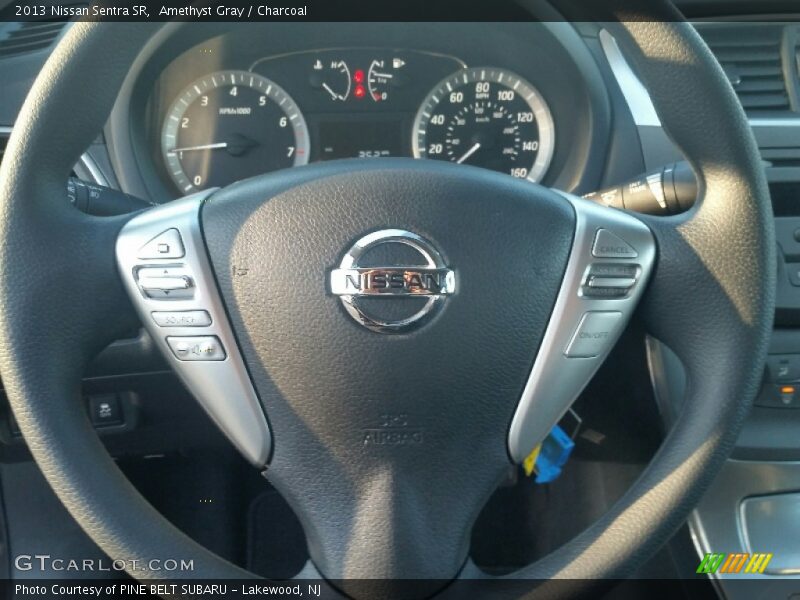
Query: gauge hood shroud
374, 435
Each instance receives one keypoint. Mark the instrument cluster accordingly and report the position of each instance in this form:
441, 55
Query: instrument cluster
317, 105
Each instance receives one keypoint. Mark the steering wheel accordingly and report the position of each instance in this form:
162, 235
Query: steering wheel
385, 430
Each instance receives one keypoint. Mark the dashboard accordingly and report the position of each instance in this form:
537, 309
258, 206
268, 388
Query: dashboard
510, 97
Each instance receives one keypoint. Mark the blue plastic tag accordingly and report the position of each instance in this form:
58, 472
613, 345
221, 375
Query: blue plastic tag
554, 453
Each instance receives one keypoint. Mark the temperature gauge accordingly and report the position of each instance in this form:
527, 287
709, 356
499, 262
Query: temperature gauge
381, 76
333, 78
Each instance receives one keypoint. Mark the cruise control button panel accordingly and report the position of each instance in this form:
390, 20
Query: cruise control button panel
204, 347
610, 263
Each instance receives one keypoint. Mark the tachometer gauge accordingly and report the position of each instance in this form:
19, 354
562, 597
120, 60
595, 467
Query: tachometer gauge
228, 126
488, 118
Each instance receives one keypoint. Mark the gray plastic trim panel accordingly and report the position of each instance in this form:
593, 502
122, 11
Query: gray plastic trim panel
716, 524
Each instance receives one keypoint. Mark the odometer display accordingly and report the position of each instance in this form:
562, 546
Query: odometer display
228, 126
488, 118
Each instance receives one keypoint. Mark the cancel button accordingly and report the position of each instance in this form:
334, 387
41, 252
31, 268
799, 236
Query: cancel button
594, 334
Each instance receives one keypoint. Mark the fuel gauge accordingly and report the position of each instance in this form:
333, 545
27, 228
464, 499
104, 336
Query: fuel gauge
379, 78
333, 78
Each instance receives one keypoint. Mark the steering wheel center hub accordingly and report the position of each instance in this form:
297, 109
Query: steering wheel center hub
400, 243
395, 298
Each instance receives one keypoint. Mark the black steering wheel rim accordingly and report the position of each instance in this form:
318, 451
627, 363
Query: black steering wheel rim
710, 299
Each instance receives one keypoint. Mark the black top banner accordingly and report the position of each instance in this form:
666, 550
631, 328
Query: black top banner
264, 10
370, 10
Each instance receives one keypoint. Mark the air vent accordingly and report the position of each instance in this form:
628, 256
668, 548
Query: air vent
751, 55
782, 156
31, 36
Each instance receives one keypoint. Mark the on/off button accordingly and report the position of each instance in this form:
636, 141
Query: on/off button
593, 334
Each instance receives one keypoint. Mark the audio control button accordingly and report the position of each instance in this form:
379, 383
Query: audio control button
166, 283
182, 318
167, 244
204, 347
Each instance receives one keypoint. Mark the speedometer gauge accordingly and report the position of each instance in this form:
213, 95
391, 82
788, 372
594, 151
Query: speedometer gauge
488, 118
228, 126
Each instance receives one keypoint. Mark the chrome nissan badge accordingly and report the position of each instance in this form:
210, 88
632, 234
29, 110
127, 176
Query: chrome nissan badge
392, 280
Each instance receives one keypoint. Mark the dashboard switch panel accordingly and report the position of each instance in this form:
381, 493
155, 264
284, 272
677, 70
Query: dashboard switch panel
783, 368
784, 395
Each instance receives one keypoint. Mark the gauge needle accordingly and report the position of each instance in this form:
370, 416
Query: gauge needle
333, 94
382, 75
469, 153
203, 147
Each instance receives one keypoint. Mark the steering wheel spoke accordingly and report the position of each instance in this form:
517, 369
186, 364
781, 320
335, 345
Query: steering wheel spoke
612, 256
166, 271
